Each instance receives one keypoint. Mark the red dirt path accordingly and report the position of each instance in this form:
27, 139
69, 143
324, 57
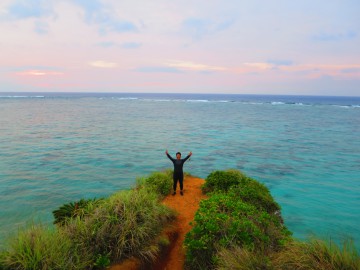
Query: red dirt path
186, 206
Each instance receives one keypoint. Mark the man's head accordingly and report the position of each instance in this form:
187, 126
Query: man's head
178, 155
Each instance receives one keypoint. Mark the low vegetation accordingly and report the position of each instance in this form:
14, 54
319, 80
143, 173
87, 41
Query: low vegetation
317, 254
240, 227
91, 234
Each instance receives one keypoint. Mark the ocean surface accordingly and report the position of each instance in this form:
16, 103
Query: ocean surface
58, 148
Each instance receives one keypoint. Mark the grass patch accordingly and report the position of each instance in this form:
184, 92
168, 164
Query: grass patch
159, 182
237, 258
91, 234
317, 254
123, 226
40, 247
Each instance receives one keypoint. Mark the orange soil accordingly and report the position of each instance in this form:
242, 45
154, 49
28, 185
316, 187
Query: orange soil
186, 206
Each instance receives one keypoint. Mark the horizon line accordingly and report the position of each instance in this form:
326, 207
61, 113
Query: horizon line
176, 93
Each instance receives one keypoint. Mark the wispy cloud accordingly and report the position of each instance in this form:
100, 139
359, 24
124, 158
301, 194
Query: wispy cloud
125, 45
188, 65
103, 64
197, 28
240, 44
19, 69
106, 44
326, 36
176, 66
36, 72
41, 27
30, 9
351, 70
259, 65
131, 45
96, 12
278, 62
158, 69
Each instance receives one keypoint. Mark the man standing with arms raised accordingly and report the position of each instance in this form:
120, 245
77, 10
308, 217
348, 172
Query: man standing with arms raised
178, 170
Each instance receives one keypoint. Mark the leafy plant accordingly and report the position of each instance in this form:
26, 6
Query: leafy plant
74, 209
102, 261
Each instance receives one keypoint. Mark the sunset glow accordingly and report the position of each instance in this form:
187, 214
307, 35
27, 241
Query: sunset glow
244, 47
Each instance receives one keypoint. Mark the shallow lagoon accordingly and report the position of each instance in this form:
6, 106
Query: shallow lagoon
58, 148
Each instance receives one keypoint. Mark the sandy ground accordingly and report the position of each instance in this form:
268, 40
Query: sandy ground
186, 206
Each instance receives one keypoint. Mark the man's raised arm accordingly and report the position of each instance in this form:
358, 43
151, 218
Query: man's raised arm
167, 153
188, 156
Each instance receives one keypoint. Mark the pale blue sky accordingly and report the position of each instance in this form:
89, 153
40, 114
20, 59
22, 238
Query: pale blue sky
246, 47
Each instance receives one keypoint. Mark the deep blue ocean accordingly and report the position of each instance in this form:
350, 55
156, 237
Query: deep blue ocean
59, 147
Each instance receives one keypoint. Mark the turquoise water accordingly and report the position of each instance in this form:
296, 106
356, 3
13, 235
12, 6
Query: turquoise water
57, 148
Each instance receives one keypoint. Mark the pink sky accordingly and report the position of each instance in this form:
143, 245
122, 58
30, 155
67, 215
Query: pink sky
241, 47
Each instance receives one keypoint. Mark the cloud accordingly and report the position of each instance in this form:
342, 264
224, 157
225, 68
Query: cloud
327, 37
106, 44
198, 28
36, 72
98, 13
103, 64
351, 70
41, 27
131, 45
35, 9
125, 45
27, 68
259, 65
280, 62
23, 9
188, 65
158, 69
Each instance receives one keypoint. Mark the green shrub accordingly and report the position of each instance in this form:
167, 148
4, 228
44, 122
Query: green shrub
317, 254
42, 248
74, 209
223, 180
255, 193
242, 188
224, 221
160, 182
124, 225
102, 261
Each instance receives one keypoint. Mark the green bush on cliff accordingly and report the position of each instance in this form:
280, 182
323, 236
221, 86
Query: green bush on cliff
224, 221
95, 232
242, 188
125, 225
160, 182
240, 213
256, 194
223, 180
240, 227
40, 247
